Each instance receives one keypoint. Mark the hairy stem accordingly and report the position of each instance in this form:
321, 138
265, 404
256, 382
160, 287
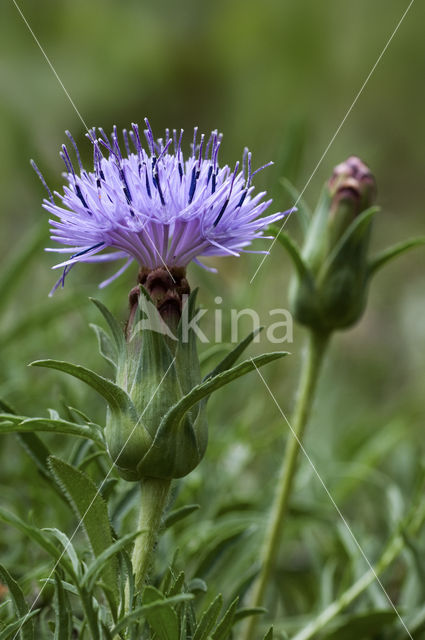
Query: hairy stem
313, 357
153, 501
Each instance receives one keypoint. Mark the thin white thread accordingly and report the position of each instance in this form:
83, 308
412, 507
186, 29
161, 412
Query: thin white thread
91, 503
338, 510
333, 137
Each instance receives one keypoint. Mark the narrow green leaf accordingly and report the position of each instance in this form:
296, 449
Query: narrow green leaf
141, 612
293, 250
68, 548
13, 627
392, 252
20, 424
98, 565
233, 356
269, 634
208, 620
176, 413
106, 347
179, 514
245, 612
38, 537
18, 599
116, 397
164, 622
116, 330
223, 629
91, 511
69, 588
177, 586
63, 612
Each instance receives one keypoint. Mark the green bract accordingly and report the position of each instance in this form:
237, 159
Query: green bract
156, 423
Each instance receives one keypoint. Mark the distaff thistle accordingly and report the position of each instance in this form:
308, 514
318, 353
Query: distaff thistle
164, 212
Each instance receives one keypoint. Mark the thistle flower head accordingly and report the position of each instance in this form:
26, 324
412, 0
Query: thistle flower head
152, 204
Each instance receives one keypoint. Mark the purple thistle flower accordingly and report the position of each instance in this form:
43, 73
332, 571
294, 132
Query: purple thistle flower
154, 207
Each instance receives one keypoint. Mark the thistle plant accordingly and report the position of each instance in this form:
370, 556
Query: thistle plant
162, 211
328, 293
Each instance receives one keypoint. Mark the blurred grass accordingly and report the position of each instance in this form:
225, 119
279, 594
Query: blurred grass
278, 77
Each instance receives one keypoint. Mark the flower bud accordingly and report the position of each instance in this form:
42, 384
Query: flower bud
157, 369
331, 292
352, 189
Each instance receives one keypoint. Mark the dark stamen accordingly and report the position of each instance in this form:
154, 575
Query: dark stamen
209, 174
222, 210
195, 175
81, 197
226, 202
243, 196
148, 188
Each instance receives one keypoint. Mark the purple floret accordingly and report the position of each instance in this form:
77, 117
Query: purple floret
154, 206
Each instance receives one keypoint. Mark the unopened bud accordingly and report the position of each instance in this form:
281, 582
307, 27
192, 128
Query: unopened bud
332, 293
352, 189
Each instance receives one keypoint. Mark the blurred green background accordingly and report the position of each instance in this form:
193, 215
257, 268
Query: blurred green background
278, 77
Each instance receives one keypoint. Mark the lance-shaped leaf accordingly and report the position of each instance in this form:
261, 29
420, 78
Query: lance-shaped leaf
63, 611
107, 348
39, 537
20, 424
208, 620
116, 330
231, 357
17, 625
222, 631
176, 413
91, 510
141, 612
392, 252
18, 600
99, 564
118, 400
163, 622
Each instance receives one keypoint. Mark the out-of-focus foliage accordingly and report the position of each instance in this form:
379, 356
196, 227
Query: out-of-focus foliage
278, 77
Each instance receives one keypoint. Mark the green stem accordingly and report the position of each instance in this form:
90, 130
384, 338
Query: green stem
309, 375
153, 501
